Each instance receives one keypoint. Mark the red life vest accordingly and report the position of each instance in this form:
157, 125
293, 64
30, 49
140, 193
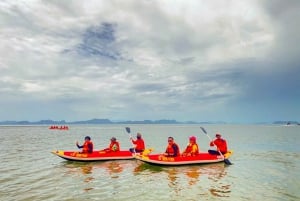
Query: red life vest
87, 147
114, 146
140, 144
171, 151
221, 145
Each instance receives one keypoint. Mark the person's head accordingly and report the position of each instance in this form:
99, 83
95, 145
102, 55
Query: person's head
193, 139
113, 139
218, 135
87, 138
138, 135
170, 140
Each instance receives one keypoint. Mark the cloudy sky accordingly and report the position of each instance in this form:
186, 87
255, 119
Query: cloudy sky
233, 61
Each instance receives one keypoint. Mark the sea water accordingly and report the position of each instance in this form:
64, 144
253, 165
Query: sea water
266, 164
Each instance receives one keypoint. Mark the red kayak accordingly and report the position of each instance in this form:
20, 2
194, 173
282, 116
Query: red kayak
201, 158
95, 156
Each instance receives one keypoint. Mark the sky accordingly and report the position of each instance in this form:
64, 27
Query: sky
196, 60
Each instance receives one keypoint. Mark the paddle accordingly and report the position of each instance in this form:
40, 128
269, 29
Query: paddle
130, 137
226, 161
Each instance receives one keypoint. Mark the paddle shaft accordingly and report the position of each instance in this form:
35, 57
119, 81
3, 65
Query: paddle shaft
130, 138
225, 159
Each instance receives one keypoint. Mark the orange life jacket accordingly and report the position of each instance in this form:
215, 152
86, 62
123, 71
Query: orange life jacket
114, 146
173, 150
189, 149
87, 147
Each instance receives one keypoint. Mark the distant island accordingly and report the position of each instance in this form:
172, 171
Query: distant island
107, 121
286, 122
101, 121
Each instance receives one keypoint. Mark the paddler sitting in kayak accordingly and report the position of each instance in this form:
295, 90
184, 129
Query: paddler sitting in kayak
172, 149
87, 147
113, 146
139, 144
220, 144
192, 148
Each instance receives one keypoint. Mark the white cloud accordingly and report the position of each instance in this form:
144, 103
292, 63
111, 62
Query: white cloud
141, 59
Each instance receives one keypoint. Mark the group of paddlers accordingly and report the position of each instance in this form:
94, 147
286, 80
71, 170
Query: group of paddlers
114, 146
172, 149
192, 149
62, 127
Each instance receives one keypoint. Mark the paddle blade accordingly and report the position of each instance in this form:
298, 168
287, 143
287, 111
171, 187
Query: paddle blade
127, 129
227, 162
203, 129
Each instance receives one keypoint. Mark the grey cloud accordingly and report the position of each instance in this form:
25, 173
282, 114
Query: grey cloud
284, 17
99, 41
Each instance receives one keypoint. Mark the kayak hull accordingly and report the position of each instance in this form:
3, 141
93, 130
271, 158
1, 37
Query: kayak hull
95, 156
201, 158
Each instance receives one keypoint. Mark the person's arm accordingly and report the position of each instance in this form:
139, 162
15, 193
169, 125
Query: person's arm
133, 141
79, 147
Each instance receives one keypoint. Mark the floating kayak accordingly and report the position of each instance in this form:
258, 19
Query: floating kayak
202, 158
95, 156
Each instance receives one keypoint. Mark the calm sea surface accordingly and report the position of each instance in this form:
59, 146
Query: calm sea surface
266, 165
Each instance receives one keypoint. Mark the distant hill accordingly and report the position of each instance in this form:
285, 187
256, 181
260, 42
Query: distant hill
91, 121
108, 121
286, 122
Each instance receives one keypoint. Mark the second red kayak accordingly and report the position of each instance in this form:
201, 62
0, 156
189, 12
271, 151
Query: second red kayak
201, 158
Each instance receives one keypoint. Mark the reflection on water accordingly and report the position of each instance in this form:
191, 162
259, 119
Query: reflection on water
172, 176
114, 168
177, 178
215, 173
88, 172
181, 177
87, 169
78, 169
193, 174
141, 166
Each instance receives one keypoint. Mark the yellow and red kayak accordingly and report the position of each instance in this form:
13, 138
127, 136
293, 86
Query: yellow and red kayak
201, 158
95, 156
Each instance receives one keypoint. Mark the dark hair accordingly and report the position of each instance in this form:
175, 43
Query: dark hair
171, 138
87, 138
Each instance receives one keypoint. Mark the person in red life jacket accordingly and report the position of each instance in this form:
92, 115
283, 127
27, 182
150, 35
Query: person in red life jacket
87, 147
139, 144
220, 144
113, 146
192, 148
172, 149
